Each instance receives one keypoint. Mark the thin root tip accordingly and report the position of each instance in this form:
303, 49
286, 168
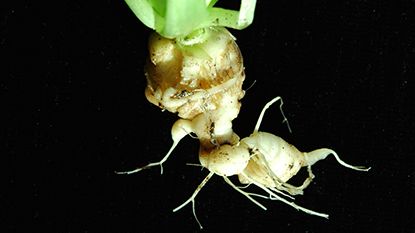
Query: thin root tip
122, 173
364, 169
128, 172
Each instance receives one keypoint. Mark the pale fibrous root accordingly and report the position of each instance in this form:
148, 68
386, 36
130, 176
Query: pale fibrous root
272, 192
261, 116
274, 196
180, 129
160, 163
192, 198
320, 154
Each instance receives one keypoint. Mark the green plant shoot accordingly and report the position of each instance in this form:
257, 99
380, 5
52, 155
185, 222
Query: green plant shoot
180, 18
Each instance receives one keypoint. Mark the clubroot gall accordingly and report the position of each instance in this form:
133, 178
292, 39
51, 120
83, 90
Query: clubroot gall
264, 160
195, 69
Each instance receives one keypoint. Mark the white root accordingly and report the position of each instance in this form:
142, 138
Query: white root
292, 204
275, 161
262, 159
160, 163
246, 194
180, 129
270, 164
320, 154
192, 198
261, 115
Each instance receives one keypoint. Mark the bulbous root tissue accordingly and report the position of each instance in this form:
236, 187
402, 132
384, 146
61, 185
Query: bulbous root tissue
202, 83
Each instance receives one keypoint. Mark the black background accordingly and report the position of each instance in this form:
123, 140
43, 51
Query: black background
74, 111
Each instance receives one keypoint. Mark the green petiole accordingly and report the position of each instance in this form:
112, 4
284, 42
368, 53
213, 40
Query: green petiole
180, 18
